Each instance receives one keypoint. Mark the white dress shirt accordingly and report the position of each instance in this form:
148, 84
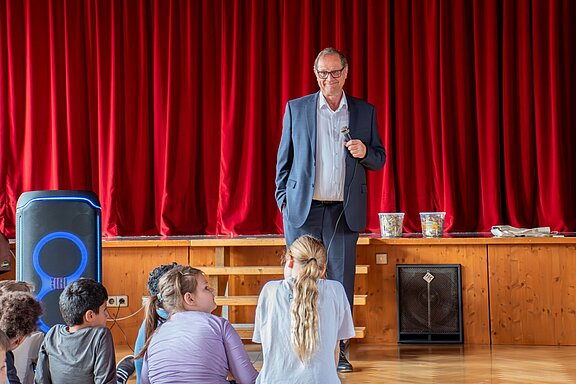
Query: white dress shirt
330, 150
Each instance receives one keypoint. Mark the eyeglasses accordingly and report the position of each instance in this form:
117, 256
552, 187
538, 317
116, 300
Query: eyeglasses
324, 74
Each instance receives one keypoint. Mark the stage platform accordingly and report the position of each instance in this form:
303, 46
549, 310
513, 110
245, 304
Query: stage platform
516, 291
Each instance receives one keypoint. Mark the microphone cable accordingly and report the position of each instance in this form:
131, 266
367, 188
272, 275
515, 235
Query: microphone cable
346, 132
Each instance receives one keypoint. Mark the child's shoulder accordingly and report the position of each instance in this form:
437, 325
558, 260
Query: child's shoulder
60, 331
332, 286
331, 283
98, 330
55, 330
272, 285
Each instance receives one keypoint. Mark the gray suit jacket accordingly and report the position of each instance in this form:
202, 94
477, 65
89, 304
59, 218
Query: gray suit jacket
296, 162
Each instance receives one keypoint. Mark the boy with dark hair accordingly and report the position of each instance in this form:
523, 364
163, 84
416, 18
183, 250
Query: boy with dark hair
82, 351
18, 316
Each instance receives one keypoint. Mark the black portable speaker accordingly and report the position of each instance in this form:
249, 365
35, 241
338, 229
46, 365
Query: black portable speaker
429, 299
58, 240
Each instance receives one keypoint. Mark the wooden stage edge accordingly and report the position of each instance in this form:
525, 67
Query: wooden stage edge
455, 238
515, 291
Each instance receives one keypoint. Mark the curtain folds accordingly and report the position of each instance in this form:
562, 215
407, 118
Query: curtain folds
171, 110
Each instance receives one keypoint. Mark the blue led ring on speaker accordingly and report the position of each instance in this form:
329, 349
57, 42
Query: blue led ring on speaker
45, 278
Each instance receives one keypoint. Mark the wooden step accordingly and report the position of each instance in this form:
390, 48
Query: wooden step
251, 270
253, 300
245, 331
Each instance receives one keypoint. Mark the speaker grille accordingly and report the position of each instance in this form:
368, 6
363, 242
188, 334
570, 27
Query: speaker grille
429, 303
57, 241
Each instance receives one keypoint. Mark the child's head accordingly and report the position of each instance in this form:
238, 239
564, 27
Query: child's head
83, 302
15, 286
4, 347
19, 315
182, 288
308, 258
155, 276
185, 288
307, 255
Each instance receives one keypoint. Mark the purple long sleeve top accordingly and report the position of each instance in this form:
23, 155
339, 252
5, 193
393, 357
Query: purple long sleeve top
196, 347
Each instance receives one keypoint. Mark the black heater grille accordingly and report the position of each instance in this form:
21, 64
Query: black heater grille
429, 299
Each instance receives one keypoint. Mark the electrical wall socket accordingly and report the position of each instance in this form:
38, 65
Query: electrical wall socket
381, 258
118, 301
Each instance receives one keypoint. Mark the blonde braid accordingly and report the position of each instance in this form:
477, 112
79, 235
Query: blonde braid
311, 255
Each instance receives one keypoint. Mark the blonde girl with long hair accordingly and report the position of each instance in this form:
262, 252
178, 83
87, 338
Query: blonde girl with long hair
300, 320
192, 345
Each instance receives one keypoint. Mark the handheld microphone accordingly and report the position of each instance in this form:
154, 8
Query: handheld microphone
346, 132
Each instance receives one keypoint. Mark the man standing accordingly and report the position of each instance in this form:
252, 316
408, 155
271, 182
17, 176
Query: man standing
328, 142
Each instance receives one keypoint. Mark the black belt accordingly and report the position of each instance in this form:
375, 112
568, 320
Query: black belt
324, 202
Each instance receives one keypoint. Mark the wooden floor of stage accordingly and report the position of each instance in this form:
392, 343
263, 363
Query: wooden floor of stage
473, 364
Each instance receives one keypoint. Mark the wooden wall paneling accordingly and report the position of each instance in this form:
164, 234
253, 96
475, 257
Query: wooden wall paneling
203, 256
125, 271
249, 285
361, 283
380, 314
475, 291
11, 274
514, 302
532, 294
565, 302
211, 256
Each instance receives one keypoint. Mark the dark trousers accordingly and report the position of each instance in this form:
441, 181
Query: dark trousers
341, 245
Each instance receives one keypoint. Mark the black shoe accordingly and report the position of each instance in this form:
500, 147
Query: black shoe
343, 363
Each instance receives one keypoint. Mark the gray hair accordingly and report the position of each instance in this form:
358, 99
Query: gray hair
331, 51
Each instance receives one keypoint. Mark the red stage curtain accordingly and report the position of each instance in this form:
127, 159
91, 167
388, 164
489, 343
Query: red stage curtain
171, 110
